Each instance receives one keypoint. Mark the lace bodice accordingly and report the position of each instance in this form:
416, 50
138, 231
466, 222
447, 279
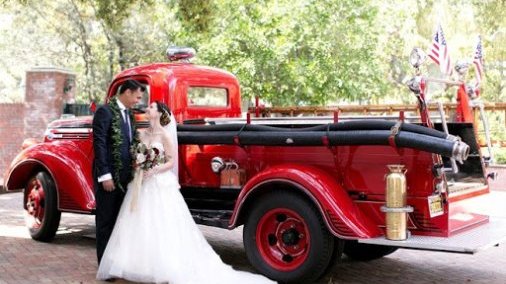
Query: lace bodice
158, 145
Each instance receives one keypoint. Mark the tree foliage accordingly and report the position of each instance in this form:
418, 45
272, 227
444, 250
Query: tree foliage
288, 52
196, 17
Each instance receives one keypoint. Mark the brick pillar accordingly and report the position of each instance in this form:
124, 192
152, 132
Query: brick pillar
11, 134
47, 89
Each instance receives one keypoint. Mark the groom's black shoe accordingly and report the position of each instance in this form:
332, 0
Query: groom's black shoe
110, 279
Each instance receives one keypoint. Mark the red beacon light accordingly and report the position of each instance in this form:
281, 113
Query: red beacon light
182, 54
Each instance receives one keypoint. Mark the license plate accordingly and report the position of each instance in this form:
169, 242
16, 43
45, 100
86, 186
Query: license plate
435, 205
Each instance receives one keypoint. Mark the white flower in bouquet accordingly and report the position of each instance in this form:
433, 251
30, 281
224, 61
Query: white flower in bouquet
140, 158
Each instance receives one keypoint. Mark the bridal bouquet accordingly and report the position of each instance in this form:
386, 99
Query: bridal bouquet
147, 157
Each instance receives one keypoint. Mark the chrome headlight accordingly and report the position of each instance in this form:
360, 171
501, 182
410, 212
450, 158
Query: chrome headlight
417, 57
462, 66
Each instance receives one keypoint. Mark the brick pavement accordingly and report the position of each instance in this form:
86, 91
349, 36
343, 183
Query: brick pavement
70, 258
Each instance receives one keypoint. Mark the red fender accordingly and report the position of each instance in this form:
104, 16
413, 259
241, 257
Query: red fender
342, 217
67, 164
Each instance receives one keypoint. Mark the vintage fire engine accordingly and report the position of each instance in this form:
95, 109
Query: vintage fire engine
305, 189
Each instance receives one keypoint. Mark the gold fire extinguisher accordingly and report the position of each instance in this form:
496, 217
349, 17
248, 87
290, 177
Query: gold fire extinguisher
395, 208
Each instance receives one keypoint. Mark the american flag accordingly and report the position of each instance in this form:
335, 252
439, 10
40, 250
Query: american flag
478, 61
439, 52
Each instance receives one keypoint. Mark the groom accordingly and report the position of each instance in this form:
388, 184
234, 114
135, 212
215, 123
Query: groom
112, 173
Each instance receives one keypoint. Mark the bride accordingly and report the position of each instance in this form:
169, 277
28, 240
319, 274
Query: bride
155, 238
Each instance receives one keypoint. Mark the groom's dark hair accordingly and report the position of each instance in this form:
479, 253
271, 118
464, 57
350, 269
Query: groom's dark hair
131, 85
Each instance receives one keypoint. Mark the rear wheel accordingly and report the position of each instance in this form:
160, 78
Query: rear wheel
286, 240
43, 217
366, 252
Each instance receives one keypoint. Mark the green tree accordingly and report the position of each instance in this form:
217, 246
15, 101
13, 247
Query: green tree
297, 52
491, 17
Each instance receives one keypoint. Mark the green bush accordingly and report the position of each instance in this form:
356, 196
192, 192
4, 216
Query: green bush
500, 155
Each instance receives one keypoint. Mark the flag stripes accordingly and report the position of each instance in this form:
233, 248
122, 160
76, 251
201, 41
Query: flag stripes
439, 52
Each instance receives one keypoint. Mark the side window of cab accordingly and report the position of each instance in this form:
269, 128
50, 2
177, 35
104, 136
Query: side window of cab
207, 97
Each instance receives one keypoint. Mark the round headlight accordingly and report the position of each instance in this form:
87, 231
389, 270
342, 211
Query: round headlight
417, 57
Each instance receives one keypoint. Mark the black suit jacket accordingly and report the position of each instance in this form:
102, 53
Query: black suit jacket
102, 145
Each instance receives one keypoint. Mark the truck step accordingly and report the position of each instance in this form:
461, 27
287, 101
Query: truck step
491, 234
214, 218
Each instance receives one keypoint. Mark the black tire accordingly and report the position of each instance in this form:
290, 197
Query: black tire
42, 227
366, 252
321, 242
337, 254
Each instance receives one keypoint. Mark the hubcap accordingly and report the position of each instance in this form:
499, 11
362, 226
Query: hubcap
35, 203
290, 237
283, 239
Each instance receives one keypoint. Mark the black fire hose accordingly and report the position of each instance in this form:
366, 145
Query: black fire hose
444, 147
340, 126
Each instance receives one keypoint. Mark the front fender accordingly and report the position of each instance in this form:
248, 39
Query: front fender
342, 217
68, 165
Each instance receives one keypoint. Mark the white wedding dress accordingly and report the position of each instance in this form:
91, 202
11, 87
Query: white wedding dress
158, 241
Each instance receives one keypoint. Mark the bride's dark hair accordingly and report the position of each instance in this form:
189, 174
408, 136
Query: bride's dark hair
165, 111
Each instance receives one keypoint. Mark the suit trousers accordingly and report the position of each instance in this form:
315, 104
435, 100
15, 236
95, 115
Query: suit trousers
107, 209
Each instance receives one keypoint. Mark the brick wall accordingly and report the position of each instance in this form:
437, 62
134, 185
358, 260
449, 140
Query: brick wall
47, 89
11, 133
44, 99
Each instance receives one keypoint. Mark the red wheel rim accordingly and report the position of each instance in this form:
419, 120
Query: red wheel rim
283, 239
35, 203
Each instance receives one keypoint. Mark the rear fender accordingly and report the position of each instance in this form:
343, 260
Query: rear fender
342, 217
69, 167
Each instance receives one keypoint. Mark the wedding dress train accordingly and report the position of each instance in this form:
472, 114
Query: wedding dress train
156, 240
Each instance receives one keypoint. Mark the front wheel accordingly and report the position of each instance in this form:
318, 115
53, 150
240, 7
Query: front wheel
286, 240
43, 216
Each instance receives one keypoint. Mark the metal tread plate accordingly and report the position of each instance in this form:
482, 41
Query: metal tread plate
472, 241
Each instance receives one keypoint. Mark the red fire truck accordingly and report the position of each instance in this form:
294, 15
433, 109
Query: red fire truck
305, 189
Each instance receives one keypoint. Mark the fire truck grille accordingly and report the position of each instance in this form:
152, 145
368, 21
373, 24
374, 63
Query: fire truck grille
75, 136
69, 134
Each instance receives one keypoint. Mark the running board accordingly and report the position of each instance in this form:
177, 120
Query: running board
488, 235
213, 218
